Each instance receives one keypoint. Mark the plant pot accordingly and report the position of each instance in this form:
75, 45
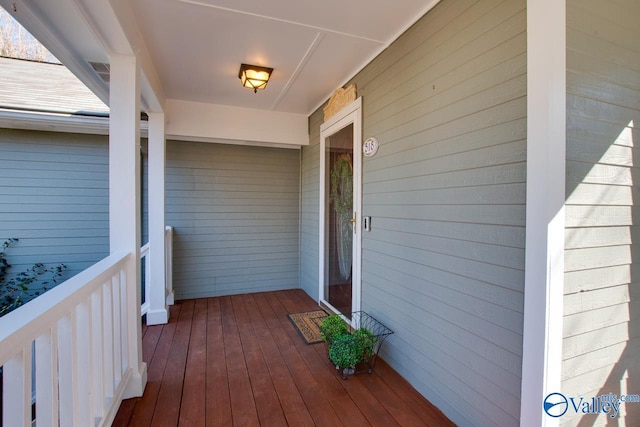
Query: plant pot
356, 350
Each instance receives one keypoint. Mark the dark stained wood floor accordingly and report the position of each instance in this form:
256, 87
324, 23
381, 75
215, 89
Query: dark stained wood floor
238, 361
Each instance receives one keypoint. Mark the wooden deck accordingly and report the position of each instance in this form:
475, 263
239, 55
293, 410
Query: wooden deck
238, 361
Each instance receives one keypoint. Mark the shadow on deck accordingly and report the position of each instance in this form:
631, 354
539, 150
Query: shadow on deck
238, 361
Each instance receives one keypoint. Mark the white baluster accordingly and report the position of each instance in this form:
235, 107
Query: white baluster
65, 372
47, 379
97, 358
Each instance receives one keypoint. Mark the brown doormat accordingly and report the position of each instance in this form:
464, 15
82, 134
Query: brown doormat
308, 325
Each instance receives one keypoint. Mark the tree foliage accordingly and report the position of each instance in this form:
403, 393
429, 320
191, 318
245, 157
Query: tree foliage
20, 288
16, 42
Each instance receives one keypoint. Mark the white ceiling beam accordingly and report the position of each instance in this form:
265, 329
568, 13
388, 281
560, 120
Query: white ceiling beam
153, 95
195, 121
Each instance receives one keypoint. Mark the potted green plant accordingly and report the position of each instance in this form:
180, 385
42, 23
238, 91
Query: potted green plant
366, 342
331, 327
348, 349
345, 352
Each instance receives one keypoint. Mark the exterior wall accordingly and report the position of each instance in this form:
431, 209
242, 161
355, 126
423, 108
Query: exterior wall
310, 201
235, 209
235, 213
602, 293
444, 263
54, 198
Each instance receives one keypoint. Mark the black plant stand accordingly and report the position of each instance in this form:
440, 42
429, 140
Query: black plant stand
361, 320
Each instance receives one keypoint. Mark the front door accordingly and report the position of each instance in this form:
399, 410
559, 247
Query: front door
340, 200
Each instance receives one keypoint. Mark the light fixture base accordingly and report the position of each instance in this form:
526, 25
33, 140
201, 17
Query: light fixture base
254, 77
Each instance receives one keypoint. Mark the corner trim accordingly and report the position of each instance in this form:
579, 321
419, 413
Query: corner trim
545, 209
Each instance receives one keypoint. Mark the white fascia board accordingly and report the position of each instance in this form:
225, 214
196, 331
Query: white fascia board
54, 122
57, 122
195, 121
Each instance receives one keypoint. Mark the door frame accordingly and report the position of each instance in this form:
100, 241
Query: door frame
350, 114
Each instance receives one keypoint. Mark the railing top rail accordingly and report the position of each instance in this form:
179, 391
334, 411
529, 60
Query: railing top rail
144, 250
35, 317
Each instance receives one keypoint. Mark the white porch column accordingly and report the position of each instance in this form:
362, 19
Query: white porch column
158, 312
124, 200
544, 259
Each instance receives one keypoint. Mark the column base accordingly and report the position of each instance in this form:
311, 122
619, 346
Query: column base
136, 382
158, 317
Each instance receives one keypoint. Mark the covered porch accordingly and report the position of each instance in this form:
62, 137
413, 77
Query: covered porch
487, 115
237, 360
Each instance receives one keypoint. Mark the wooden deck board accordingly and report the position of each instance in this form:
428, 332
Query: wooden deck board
218, 400
289, 395
192, 409
243, 408
156, 363
315, 401
169, 400
238, 361
264, 391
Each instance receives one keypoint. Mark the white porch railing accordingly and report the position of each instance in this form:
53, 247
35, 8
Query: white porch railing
145, 268
78, 335
168, 245
145, 262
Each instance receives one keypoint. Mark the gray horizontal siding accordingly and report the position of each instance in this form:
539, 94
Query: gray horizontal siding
444, 263
235, 213
451, 170
310, 201
602, 290
234, 209
54, 198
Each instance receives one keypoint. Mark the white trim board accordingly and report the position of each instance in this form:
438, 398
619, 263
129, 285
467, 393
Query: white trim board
545, 223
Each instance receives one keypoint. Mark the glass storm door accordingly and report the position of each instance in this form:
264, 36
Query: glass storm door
340, 214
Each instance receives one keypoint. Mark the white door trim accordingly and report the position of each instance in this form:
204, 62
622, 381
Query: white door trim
350, 114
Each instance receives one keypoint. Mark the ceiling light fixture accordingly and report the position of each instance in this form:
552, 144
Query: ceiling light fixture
254, 77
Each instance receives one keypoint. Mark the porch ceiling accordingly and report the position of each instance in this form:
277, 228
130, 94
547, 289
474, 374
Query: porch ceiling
191, 49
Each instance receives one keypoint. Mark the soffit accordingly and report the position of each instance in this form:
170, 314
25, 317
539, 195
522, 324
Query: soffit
314, 47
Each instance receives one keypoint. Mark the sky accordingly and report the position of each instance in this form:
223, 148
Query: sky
16, 42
